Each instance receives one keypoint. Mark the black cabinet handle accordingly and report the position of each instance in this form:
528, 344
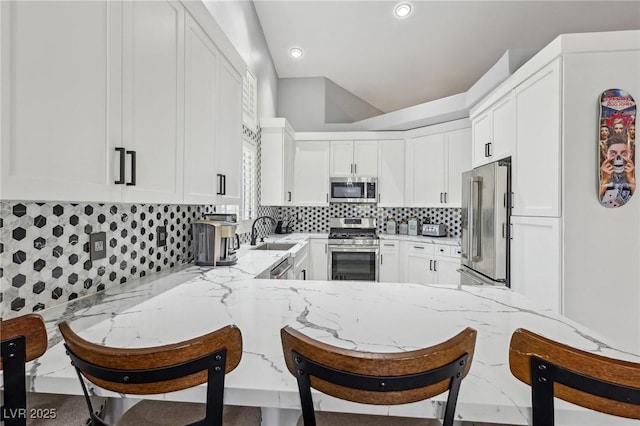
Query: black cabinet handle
489, 149
431, 264
120, 180
486, 149
133, 168
446, 197
219, 192
289, 192
304, 274
224, 184
435, 265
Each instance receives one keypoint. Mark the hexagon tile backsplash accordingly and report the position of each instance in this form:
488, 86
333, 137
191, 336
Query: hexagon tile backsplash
44, 248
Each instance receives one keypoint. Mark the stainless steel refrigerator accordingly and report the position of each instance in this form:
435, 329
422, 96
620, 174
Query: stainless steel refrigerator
485, 224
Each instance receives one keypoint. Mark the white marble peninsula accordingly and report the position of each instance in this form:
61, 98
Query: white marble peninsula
356, 315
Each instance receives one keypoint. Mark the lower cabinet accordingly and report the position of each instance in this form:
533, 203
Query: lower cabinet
390, 271
535, 259
318, 255
419, 258
427, 263
301, 264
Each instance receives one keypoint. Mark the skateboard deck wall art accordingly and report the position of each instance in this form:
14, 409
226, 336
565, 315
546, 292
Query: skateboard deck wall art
617, 148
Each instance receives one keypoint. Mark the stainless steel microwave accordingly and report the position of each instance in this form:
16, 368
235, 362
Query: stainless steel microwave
353, 190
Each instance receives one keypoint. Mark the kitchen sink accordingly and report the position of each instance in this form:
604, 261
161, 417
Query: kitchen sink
274, 246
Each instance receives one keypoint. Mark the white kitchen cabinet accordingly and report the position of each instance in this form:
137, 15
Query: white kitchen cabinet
419, 260
277, 163
202, 61
302, 264
153, 100
391, 173
105, 81
229, 141
390, 271
536, 163
434, 166
55, 144
446, 264
311, 186
318, 258
535, 259
494, 131
354, 158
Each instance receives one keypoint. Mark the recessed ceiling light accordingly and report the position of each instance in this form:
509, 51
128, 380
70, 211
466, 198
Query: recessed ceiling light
403, 10
295, 52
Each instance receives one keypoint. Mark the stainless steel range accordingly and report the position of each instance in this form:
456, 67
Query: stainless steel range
353, 249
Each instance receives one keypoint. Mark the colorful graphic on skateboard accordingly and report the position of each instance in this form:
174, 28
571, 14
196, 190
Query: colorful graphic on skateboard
617, 148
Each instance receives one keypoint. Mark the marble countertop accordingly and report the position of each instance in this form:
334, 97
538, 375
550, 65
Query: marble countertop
366, 316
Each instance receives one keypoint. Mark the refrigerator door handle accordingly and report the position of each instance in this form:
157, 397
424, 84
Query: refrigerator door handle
476, 236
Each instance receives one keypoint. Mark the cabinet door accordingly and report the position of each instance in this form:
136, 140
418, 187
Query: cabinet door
341, 158
389, 262
420, 263
458, 161
153, 104
535, 260
288, 172
61, 100
229, 143
201, 98
318, 259
503, 128
365, 158
446, 270
426, 172
481, 129
536, 166
311, 187
391, 173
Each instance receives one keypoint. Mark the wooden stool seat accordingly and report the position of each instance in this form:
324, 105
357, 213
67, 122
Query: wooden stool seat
377, 378
24, 339
592, 381
161, 369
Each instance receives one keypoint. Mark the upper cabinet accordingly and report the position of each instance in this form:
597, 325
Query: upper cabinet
538, 99
311, 185
354, 158
153, 100
434, 164
277, 163
116, 101
57, 144
494, 131
391, 161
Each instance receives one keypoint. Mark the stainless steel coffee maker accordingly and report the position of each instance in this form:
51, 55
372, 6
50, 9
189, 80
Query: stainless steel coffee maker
215, 242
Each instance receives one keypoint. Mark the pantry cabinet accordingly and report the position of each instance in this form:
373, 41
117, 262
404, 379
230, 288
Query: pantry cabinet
354, 158
311, 187
277, 163
95, 98
536, 161
494, 131
435, 164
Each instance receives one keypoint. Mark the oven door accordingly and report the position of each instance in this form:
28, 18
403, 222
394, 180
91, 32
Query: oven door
353, 263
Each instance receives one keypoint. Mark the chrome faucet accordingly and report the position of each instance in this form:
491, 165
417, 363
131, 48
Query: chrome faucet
254, 232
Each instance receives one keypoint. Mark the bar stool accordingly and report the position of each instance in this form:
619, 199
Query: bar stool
377, 378
24, 339
162, 369
592, 381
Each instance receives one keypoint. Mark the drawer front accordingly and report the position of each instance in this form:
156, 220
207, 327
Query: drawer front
420, 248
443, 250
455, 251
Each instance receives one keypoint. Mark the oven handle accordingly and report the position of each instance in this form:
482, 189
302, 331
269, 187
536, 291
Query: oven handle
359, 249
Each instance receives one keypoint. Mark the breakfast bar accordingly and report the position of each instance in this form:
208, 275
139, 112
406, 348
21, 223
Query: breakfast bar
365, 316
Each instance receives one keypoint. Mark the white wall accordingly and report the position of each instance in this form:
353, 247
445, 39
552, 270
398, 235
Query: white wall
601, 245
239, 21
342, 106
301, 101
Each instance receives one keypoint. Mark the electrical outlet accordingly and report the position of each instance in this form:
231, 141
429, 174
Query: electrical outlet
298, 216
97, 246
161, 236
